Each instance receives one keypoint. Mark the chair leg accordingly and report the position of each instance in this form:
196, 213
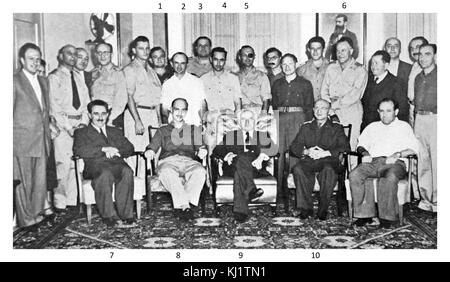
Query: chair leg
350, 211
273, 209
148, 199
89, 213
400, 214
203, 199
138, 209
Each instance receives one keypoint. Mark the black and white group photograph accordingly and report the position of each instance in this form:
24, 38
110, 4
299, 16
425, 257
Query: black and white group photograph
201, 128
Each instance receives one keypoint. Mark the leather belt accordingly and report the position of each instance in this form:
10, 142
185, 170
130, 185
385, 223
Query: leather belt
290, 109
146, 107
74, 117
424, 113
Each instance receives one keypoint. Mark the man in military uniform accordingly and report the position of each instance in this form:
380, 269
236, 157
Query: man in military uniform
144, 95
109, 83
293, 98
317, 144
343, 86
158, 62
81, 64
314, 69
68, 105
255, 85
199, 65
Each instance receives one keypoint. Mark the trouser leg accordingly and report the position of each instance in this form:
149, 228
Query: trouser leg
243, 183
387, 190
169, 176
304, 178
124, 189
31, 193
195, 179
327, 180
102, 183
425, 130
66, 192
362, 190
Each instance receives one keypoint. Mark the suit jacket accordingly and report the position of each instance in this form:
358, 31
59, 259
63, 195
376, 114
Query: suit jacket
233, 142
88, 144
31, 132
330, 137
404, 69
389, 87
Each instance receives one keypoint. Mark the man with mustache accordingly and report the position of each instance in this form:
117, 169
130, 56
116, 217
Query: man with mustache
184, 85
68, 100
103, 149
178, 169
340, 31
272, 57
414, 46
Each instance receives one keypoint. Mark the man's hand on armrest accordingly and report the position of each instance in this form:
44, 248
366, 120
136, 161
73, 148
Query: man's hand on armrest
111, 152
229, 158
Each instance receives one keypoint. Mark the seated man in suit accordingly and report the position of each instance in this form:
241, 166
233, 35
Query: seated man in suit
178, 169
103, 149
381, 144
245, 153
317, 144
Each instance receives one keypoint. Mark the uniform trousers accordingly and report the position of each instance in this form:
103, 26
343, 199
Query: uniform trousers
31, 193
148, 117
66, 192
304, 177
363, 195
184, 178
289, 125
121, 175
425, 129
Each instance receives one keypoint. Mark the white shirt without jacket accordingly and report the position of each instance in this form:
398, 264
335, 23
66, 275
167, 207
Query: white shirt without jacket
384, 140
188, 87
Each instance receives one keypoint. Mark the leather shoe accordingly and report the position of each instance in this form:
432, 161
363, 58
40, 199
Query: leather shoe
240, 217
363, 221
109, 222
255, 193
386, 224
304, 214
322, 215
129, 221
188, 214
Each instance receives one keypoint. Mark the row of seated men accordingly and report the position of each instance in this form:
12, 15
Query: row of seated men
146, 84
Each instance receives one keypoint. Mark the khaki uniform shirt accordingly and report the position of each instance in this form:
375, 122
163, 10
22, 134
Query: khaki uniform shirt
314, 75
222, 91
255, 87
109, 85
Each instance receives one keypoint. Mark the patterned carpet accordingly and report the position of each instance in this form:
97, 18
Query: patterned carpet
160, 229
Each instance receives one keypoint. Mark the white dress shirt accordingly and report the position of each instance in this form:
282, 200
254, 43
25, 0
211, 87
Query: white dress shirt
380, 139
35, 84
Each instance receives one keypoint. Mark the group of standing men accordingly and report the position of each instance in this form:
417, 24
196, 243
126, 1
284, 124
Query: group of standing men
310, 100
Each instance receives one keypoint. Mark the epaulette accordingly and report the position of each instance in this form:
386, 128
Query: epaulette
358, 64
116, 68
309, 121
54, 71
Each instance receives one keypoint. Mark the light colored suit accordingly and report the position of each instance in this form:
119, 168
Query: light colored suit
31, 137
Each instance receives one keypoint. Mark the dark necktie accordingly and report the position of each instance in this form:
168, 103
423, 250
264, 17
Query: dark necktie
75, 98
247, 137
104, 135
